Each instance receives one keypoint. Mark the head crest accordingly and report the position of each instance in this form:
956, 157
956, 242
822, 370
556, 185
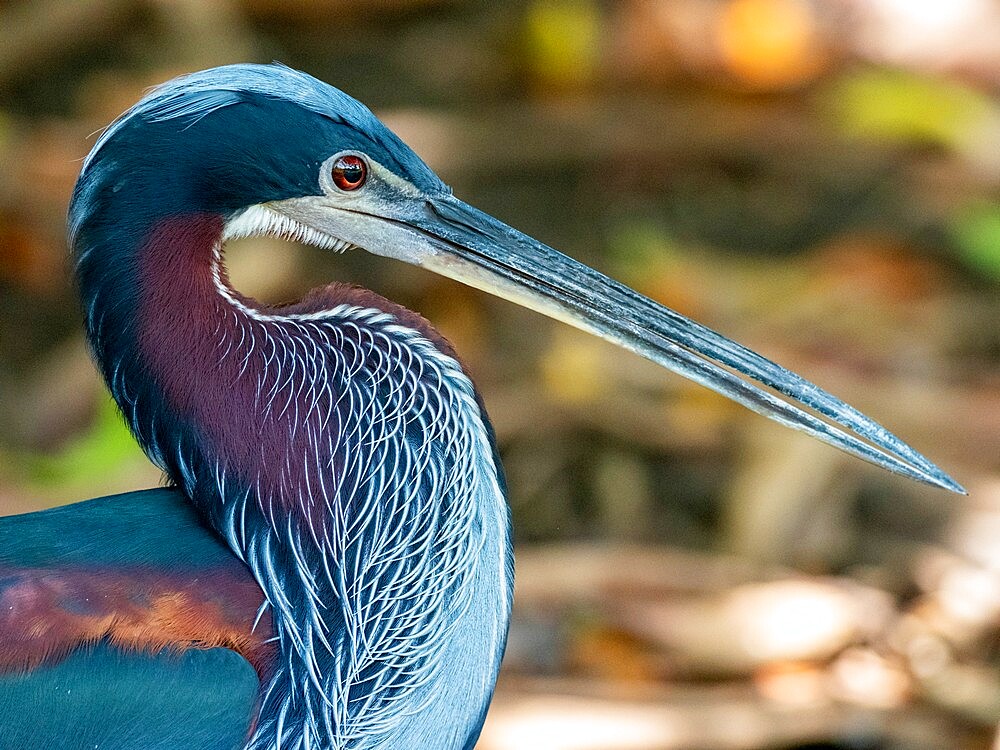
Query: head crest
191, 97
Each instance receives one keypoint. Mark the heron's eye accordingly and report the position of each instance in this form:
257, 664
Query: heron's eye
349, 172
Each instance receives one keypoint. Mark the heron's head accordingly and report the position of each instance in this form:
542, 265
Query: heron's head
229, 139
272, 151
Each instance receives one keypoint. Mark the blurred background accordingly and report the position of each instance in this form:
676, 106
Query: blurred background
818, 180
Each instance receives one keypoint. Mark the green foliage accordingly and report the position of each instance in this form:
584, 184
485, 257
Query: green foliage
562, 40
897, 106
976, 232
89, 457
641, 249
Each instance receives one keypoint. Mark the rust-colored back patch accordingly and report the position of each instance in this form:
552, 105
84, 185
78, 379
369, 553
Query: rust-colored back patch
47, 613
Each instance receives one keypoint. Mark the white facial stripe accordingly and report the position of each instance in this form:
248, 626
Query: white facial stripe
261, 221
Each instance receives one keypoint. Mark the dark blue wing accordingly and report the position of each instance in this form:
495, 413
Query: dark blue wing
88, 595
112, 700
157, 527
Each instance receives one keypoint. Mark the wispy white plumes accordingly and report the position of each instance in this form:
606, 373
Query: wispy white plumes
390, 513
261, 221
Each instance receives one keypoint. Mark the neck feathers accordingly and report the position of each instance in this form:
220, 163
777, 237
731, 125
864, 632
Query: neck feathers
342, 452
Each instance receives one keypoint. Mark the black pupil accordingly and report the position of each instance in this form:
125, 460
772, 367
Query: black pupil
350, 171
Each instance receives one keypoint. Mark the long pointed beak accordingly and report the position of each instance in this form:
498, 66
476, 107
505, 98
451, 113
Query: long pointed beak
476, 249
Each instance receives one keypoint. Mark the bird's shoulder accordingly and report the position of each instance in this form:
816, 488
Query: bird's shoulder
120, 614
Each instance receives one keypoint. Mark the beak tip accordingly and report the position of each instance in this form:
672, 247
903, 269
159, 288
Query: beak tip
945, 482
957, 488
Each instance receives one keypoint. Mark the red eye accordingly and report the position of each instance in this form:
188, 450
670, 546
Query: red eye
349, 172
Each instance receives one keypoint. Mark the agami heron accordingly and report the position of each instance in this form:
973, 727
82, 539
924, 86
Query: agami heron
332, 568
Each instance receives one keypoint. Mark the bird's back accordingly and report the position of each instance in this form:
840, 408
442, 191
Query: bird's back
125, 623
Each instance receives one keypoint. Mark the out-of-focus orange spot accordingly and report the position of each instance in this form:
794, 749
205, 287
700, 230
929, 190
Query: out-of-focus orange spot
769, 43
792, 684
861, 676
611, 654
878, 267
27, 259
